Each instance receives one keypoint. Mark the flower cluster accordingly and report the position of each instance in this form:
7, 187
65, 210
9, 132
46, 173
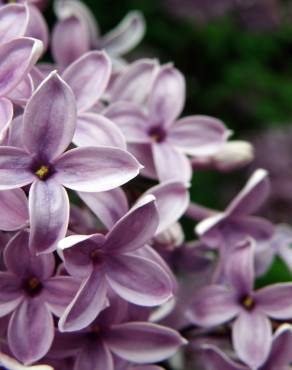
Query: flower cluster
95, 169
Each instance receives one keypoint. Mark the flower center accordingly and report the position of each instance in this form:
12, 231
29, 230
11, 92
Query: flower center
97, 256
248, 302
42, 172
157, 134
32, 286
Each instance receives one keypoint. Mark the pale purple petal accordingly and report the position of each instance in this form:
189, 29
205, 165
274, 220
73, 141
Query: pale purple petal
131, 120
17, 57
22, 92
213, 305
59, 292
87, 303
198, 135
258, 228
49, 119
30, 331
135, 83
70, 40
96, 169
14, 209
88, 77
15, 132
134, 229
141, 342
276, 300
37, 27
13, 22
239, 267
29, 264
172, 199
280, 354
167, 97
94, 356
6, 115
10, 293
252, 196
139, 280
143, 152
252, 338
96, 130
170, 163
108, 206
49, 215
14, 168
125, 36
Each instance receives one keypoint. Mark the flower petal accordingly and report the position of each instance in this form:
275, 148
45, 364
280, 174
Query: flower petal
239, 268
131, 120
276, 300
6, 116
142, 342
218, 360
96, 169
41, 266
252, 338
96, 130
139, 280
134, 229
170, 163
135, 83
37, 27
30, 331
59, 292
87, 303
49, 215
167, 97
10, 293
252, 196
14, 168
172, 199
88, 77
128, 33
49, 119
109, 206
13, 21
198, 135
70, 40
213, 305
17, 57
14, 209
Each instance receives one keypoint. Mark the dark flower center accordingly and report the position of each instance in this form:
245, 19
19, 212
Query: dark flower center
97, 256
247, 302
94, 333
157, 134
42, 169
32, 286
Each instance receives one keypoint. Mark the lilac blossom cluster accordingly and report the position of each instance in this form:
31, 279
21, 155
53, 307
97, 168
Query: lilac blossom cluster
106, 280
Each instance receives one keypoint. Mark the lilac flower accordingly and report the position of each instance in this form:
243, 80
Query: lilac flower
235, 223
113, 334
252, 329
29, 290
76, 19
279, 357
11, 363
157, 139
14, 210
47, 131
111, 261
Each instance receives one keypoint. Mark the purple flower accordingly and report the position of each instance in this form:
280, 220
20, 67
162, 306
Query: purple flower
157, 139
48, 127
235, 224
113, 334
279, 358
113, 261
252, 329
77, 23
29, 290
